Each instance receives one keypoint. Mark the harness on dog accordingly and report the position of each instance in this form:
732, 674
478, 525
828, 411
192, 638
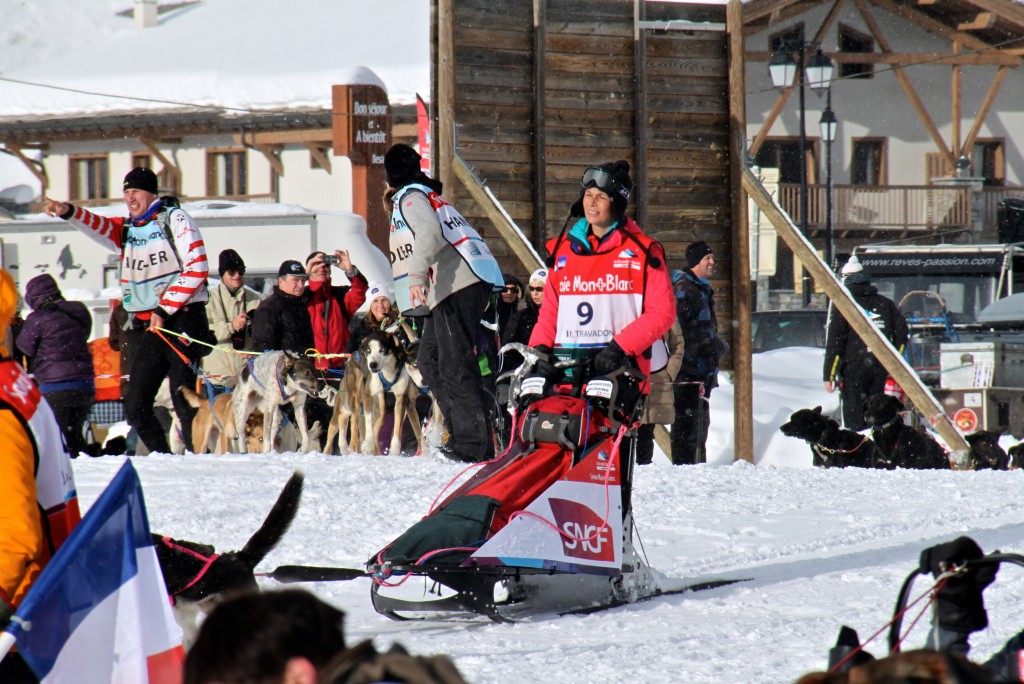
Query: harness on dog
207, 562
389, 384
863, 441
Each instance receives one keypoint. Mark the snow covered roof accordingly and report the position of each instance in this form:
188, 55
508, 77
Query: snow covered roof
235, 56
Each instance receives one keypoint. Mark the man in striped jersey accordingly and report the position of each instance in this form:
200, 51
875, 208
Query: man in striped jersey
163, 286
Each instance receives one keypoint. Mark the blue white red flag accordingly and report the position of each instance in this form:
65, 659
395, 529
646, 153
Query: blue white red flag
99, 611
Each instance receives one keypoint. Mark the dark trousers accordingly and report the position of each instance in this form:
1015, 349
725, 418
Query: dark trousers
448, 360
645, 444
690, 428
155, 360
859, 382
71, 408
14, 670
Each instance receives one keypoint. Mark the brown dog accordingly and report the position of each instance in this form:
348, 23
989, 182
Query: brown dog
213, 429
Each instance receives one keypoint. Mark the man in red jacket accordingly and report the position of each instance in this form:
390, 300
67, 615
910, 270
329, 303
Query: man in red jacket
331, 307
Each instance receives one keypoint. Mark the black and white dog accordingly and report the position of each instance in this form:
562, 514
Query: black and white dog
831, 445
900, 445
197, 577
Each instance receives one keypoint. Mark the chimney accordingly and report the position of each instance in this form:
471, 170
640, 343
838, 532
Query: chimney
145, 14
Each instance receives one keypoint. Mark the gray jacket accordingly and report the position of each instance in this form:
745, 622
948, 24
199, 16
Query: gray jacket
435, 263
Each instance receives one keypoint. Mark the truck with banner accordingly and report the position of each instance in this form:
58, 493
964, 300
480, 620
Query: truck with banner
964, 305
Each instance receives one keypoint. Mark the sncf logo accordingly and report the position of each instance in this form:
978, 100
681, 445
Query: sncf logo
585, 534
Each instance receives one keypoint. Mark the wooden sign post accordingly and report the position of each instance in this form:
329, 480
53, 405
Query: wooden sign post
361, 125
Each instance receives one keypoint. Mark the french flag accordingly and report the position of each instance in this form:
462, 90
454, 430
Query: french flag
99, 611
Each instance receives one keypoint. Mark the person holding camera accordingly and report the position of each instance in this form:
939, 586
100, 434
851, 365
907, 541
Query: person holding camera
331, 307
230, 313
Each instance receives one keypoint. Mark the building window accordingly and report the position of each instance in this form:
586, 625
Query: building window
143, 161
868, 167
88, 178
784, 154
788, 40
988, 160
851, 40
226, 173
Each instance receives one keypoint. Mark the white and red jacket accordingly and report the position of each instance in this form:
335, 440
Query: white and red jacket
593, 296
158, 271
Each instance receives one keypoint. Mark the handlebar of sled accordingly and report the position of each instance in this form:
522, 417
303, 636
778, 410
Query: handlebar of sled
995, 558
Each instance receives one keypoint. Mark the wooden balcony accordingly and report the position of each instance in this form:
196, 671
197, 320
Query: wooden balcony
889, 211
266, 198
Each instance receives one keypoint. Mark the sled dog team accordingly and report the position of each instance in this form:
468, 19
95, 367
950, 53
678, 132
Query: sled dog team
275, 380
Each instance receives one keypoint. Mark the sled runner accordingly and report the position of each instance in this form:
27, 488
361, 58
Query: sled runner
547, 522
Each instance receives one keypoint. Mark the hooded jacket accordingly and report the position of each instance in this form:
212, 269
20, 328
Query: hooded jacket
843, 347
55, 336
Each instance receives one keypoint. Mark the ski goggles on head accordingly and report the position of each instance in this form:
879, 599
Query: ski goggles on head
604, 181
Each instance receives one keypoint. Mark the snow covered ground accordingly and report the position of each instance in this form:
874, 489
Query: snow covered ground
821, 548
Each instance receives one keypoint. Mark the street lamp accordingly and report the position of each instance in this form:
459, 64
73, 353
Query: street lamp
783, 69
828, 124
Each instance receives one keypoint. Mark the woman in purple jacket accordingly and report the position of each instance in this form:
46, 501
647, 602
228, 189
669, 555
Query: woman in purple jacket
55, 340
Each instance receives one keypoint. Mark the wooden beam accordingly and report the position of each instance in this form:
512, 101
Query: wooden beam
984, 20
309, 135
956, 97
769, 121
272, 153
506, 227
1008, 11
986, 105
759, 9
880, 345
318, 153
994, 58
36, 168
742, 344
168, 165
443, 148
908, 88
931, 25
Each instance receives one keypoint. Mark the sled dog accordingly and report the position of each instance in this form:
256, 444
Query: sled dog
272, 380
831, 445
197, 577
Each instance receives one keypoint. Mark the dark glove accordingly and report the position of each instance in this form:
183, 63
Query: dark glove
961, 604
610, 359
544, 366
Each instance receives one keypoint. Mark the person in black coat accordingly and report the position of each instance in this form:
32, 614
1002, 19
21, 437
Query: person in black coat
849, 362
281, 321
508, 302
520, 325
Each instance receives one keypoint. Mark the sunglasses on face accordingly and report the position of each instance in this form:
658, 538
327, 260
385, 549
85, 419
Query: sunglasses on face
511, 288
536, 289
603, 181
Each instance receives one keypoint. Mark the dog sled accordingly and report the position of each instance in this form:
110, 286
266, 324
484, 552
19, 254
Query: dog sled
547, 524
962, 572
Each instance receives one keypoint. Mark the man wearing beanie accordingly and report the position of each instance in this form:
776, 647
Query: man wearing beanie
163, 285
849, 363
443, 270
230, 313
695, 309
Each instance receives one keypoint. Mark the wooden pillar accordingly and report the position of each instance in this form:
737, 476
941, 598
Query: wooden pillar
742, 349
640, 114
955, 115
540, 158
444, 135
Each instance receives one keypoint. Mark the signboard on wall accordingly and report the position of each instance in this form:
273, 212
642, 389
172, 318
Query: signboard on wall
361, 123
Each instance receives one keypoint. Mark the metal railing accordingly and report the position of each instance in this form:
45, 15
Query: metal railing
902, 208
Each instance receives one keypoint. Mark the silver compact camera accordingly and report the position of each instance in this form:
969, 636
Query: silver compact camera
330, 259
